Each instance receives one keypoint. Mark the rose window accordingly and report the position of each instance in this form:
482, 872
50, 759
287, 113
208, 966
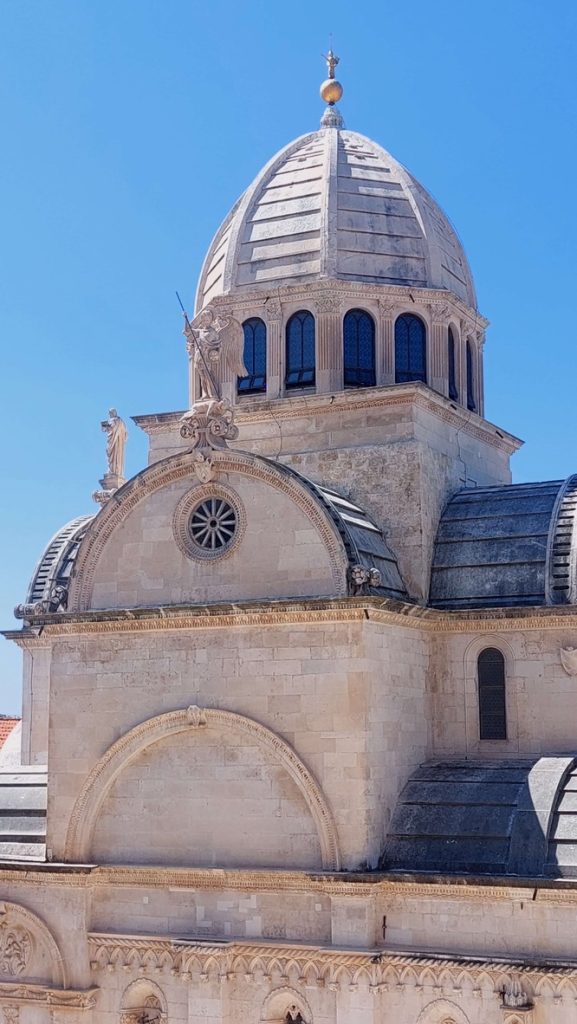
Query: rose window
213, 524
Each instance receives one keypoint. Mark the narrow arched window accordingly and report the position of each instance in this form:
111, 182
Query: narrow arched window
300, 350
453, 389
492, 704
470, 378
410, 349
359, 349
254, 356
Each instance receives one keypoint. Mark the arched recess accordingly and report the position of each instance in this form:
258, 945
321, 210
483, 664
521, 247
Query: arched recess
29, 932
180, 467
284, 1004
140, 996
129, 746
441, 1010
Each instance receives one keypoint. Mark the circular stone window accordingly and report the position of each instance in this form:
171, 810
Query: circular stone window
212, 524
209, 522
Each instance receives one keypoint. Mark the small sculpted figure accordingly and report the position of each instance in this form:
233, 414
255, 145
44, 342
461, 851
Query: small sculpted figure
115, 428
217, 347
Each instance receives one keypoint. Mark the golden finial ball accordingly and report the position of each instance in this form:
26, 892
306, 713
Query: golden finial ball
331, 91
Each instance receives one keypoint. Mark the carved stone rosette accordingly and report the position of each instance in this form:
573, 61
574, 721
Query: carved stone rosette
210, 424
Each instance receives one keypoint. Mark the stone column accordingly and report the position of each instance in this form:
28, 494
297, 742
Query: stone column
385, 343
480, 373
272, 312
329, 344
438, 371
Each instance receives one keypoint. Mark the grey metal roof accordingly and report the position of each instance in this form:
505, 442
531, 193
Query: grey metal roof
507, 546
23, 813
363, 539
492, 817
51, 576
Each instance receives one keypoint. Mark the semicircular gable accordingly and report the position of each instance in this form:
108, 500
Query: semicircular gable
28, 950
131, 554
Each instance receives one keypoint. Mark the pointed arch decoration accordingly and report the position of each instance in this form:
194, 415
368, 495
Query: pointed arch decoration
120, 754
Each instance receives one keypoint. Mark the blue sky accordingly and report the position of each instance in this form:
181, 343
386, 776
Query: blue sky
131, 126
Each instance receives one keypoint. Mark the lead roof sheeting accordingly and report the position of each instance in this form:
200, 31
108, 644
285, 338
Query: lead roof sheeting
486, 818
491, 547
23, 814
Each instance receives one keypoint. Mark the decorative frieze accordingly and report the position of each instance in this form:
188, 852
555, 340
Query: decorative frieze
515, 984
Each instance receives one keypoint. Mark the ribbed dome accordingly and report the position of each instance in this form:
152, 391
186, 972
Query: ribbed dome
334, 204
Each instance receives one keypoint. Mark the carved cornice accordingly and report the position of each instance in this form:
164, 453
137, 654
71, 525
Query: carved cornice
384, 611
386, 396
380, 969
25, 994
353, 290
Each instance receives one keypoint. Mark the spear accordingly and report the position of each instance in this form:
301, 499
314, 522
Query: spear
198, 348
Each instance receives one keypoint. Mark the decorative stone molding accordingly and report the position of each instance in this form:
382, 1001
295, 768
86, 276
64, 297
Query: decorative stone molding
120, 754
272, 310
284, 1002
181, 522
330, 302
440, 313
387, 307
209, 424
15, 948
29, 995
568, 657
378, 970
20, 930
179, 467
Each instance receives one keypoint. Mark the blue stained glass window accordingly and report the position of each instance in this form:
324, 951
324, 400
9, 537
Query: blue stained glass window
254, 357
492, 702
470, 379
300, 350
410, 349
453, 389
359, 349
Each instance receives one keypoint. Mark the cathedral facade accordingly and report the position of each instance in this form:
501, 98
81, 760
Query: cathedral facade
298, 733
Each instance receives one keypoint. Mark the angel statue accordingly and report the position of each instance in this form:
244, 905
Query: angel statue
217, 346
117, 433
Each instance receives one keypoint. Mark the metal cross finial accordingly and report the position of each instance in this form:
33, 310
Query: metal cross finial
332, 61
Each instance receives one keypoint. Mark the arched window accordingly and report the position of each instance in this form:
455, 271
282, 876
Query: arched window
410, 349
359, 349
453, 389
300, 350
492, 706
254, 356
470, 378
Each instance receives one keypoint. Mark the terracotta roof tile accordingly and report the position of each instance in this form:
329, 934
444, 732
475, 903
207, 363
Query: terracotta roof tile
7, 723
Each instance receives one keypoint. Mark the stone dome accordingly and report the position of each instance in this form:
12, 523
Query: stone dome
334, 204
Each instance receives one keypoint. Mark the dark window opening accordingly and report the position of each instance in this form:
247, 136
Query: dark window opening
359, 349
410, 349
492, 705
254, 357
453, 389
300, 350
470, 379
